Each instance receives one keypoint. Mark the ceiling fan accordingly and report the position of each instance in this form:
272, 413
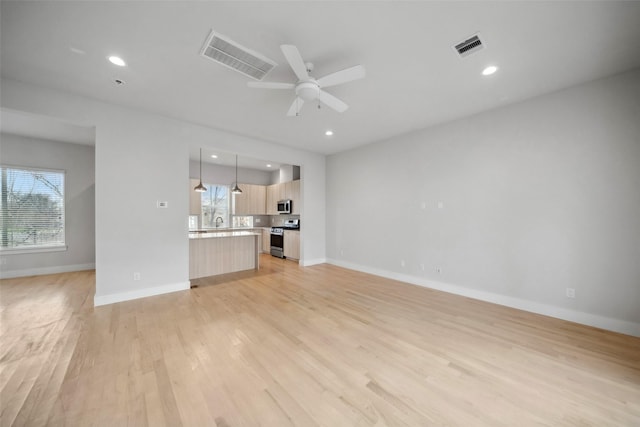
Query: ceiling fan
309, 89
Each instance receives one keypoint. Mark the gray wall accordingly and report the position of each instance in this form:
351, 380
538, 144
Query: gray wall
78, 162
217, 174
536, 197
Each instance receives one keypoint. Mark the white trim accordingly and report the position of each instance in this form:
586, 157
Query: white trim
32, 250
608, 323
34, 169
309, 262
46, 270
140, 293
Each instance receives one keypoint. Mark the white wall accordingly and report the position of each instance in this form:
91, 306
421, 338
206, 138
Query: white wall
78, 163
226, 175
142, 158
537, 197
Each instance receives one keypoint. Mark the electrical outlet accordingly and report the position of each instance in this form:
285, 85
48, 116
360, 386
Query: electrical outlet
341, 251
423, 205
402, 263
162, 204
258, 221
440, 205
571, 293
136, 275
422, 266
438, 270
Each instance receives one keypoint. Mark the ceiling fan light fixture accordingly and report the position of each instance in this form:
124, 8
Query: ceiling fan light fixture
308, 91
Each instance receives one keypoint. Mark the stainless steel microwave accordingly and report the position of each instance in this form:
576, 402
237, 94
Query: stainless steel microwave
284, 206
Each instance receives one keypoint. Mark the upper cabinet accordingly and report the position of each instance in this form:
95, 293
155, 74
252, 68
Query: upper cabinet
283, 191
252, 200
292, 189
275, 193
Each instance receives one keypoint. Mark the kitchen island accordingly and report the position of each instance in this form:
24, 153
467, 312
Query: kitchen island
211, 254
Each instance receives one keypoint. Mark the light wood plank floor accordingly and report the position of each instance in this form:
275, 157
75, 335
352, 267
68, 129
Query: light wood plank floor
292, 346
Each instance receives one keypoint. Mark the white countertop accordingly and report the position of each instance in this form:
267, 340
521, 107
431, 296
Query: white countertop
220, 234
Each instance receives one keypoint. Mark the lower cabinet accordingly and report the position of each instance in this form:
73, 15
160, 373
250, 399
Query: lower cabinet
292, 244
266, 240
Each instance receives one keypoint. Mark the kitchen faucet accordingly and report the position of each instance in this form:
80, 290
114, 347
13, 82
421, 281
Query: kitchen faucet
218, 223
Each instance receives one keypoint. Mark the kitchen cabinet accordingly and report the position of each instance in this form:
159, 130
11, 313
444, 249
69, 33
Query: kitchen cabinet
275, 192
266, 240
292, 244
283, 191
219, 253
258, 231
252, 200
195, 204
294, 194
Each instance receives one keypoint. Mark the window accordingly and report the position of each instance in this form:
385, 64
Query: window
215, 206
31, 209
193, 222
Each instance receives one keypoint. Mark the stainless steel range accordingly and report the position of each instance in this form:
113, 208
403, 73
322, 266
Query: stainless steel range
277, 236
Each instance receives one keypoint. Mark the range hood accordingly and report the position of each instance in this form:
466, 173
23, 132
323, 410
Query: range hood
289, 173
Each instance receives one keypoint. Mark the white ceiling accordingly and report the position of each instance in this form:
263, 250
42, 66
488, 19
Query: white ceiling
414, 77
229, 159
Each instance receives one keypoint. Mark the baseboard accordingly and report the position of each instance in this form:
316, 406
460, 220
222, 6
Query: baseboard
608, 323
45, 270
140, 293
309, 262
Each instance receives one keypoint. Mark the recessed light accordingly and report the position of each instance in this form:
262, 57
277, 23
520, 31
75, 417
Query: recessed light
269, 165
213, 156
117, 61
489, 70
329, 133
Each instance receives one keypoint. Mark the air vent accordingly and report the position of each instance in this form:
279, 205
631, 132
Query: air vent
469, 46
232, 55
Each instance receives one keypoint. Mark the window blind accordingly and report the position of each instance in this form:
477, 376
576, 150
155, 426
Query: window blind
31, 208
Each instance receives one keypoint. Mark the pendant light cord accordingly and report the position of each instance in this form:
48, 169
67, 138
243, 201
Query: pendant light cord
200, 188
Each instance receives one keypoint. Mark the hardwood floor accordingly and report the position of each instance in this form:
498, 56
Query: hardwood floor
313, 346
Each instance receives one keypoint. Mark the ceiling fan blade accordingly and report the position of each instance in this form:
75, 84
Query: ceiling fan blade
271, 85
332, 101
296, 106
294, 59
343, 76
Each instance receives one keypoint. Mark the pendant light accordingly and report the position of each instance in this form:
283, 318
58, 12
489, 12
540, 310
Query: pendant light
236, 189
200, 188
